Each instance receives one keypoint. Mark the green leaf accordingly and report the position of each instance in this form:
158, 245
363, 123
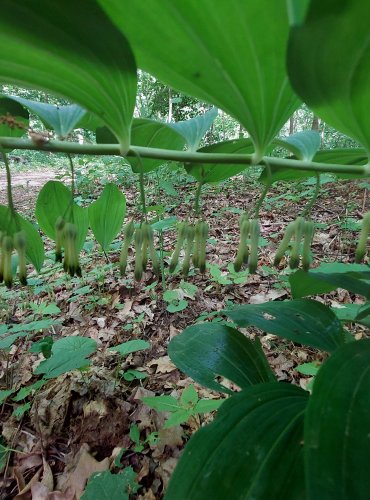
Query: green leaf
304, 321
253, 449
205, 172
352, 313
189, 396
34, 246
162, 403
131, 375
303, 145
73, 49
62, 119
6, 341
5, 394
106, 215
177, 306
178, 417
15, 110
108, 486
164, 224
210, 350
68, 353
130, 346
229, 54
329, 65
193, 130
328, 277
309, 368
53, 201
337, 426
207, 405
146, 133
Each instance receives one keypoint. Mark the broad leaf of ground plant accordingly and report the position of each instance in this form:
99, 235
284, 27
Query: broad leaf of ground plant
210, 350
106, 215
54, 200
253, 449
337, 426
305, 321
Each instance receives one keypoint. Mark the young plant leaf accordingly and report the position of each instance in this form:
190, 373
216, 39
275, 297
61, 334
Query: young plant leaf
68, 353
130, 346
329, 65
162, 403
337, 428
46, 45
108, 486
106, 215
55, 200
193, 130
34, 247
231, 54
62, 119
210, 350
304, 321
252, 449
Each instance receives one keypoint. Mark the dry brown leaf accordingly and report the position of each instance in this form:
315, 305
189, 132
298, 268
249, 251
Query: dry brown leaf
259, 298
79, 470
163, 364
23, 495
165, 470
47, 476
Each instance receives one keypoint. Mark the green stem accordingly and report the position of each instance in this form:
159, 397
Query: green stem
141, 186
72, 174
265, 191
8, 183
197, 199
181, 156
261, 200
308, 208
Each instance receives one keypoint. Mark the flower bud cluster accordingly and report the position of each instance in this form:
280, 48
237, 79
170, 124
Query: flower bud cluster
8, 244
66, 237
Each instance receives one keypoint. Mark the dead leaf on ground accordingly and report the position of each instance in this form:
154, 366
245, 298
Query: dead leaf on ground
78, 471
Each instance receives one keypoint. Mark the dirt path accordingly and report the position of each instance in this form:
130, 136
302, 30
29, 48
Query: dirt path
26, 186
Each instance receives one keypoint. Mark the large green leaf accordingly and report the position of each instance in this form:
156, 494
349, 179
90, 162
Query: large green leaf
68, 353
205, 172
209, 350
10, 108
62, 119
147, 133
34, 245
329, 64
231, 54
253, 449
73, 49
106, 215
55, 200
305, 321
193, 130
108, 486
337, 426
328, 277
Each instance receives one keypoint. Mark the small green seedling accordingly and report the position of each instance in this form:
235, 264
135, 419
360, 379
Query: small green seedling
183, 408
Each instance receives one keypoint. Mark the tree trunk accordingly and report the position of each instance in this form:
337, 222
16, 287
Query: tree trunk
315, 123
169, 117
291, 125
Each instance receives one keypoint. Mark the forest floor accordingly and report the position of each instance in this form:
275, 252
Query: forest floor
82, 422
